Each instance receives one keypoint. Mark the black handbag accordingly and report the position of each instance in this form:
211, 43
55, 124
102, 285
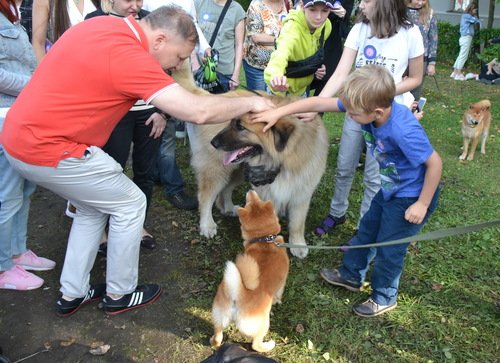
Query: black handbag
234, 353
308, 66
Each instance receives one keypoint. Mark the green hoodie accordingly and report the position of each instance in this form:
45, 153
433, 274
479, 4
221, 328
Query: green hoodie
295, 42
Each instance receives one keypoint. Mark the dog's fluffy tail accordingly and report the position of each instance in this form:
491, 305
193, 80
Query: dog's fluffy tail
242, 274
249, 271
232, 280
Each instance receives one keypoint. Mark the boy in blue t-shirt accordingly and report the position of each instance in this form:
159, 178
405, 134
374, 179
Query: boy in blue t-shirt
410, 171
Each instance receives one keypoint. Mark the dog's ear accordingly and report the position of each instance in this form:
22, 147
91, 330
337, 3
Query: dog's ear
281, 132
486, 107
242, 212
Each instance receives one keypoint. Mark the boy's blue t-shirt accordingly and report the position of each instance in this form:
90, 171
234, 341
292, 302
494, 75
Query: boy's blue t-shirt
401, 147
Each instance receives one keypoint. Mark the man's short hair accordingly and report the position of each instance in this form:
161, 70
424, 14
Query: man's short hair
367, 88
174, 20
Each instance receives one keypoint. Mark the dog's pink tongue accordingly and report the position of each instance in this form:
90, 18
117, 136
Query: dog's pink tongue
229, 157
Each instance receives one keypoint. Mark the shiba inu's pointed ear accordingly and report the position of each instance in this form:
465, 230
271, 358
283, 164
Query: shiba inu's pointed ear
281, 132
252, 196
242, 212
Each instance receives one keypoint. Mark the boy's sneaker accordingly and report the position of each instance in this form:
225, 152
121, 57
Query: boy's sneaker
459, 77
66, 308
370, 308
333, 277
329, 223
29, 261
17, 278
143, 295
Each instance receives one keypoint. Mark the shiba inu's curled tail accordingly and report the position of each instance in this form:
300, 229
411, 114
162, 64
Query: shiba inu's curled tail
249, 271
232, 280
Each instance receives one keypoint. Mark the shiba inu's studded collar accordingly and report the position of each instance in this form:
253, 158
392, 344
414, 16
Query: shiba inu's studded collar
268, 239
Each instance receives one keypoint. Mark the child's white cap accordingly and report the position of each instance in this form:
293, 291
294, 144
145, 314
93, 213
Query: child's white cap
327, 3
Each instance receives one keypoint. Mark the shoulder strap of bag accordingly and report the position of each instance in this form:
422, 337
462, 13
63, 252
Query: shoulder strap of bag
322, 38
219, 22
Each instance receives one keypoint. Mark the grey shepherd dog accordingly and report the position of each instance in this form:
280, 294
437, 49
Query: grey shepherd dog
284, 164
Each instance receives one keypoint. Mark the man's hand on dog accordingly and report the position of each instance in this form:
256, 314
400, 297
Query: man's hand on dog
416, 212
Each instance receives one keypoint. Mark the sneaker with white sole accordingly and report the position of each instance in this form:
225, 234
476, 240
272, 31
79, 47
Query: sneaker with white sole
459, 77
29, 261
370, 308
69, 307
333, 277
70, 210
17, 278
453, 74
143, 295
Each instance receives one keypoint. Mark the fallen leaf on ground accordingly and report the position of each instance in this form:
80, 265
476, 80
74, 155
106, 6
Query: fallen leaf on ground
67, 343
103, 349
94, 345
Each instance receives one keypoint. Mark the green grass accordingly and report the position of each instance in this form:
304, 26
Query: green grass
446, 307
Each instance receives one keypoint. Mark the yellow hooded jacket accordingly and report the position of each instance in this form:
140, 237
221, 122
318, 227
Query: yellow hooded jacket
295, 42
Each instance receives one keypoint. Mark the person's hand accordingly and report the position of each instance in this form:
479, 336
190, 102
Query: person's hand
418, 114
208, 53
340, 12
159, 123
279, 84
416, 212
233, 84
269, 117
431, 69
320, 72
306, 116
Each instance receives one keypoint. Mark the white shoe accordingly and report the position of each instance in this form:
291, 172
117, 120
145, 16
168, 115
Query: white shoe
471, 76
70, 210
453, 74
459, 77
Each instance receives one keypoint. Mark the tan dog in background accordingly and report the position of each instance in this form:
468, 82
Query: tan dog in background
475, 124
256, 280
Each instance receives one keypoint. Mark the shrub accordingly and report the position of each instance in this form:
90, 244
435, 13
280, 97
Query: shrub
448, 46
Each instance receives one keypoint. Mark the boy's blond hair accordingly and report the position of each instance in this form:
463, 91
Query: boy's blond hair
367, 88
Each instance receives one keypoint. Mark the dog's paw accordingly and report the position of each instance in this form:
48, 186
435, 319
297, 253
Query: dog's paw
231, 211
215, 341
208, 231
263, 347
462, 157
300, 252
470, 157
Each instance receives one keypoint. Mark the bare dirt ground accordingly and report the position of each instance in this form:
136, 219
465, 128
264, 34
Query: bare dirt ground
30, 330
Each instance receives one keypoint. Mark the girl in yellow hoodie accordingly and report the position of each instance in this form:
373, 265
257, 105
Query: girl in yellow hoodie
303, 34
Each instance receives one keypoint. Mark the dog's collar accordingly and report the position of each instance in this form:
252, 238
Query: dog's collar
258, 175
268, 239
